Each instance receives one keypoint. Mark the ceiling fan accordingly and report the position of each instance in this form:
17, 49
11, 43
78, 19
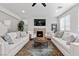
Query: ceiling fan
44, 4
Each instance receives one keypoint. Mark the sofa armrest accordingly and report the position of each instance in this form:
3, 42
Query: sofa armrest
74, 48
0, 49
3, 48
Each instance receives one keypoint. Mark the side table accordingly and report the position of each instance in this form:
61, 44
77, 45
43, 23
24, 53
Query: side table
30, 37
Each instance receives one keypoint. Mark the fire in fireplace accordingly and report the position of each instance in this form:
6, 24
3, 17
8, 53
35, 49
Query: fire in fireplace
39, 33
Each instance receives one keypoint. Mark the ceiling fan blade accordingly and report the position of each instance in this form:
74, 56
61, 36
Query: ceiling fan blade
44, 4
33, 4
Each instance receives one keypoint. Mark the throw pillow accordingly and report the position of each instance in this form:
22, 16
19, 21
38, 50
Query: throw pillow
59, 34
68, 43
77, 39
18, 34
66, 34
1, 39
23, 34
13, 35
70, 39
8, 39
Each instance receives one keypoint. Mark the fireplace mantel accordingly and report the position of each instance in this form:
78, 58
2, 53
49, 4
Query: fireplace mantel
39, 26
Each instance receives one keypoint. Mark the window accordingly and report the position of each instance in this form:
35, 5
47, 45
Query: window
78, 20
62, 24
65, 23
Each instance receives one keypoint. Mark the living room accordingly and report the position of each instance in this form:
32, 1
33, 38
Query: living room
39, 29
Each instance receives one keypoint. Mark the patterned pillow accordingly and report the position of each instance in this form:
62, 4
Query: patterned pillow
59, 34
77, 39
23, 34
66, 35
8, 39
70, 39
18, 34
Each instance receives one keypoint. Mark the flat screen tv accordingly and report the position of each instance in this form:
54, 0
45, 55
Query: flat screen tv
39, 22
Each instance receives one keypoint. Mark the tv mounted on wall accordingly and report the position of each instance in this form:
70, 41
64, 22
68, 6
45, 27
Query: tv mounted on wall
39, 22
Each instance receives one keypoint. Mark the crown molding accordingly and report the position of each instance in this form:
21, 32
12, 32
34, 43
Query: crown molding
6, 11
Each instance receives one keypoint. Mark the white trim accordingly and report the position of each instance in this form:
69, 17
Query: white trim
4, 10
78, 20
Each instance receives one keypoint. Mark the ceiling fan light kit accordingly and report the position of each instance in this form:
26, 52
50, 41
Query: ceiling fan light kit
44, 4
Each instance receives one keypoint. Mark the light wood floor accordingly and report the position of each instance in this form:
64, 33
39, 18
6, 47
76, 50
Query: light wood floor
25, 52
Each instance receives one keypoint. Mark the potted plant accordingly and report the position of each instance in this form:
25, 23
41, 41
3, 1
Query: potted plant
21, 26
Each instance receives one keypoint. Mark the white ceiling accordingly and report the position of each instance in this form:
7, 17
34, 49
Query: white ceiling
38, 10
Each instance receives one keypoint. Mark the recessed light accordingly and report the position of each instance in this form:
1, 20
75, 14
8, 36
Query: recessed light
56, 11
23, 11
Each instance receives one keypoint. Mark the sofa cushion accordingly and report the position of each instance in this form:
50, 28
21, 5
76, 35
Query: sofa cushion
10, 47
13, 35
17, 42
59, 34
65, 35
18, 34
65, 46
62, 44
77, 39
1, 39
23, 34
70, 38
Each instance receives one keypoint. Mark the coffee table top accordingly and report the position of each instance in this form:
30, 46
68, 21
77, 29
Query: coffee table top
41, 39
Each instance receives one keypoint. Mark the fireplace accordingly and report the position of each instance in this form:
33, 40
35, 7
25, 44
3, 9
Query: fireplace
39, 33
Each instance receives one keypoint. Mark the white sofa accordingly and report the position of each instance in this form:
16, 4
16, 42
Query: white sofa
8, 49
68, 50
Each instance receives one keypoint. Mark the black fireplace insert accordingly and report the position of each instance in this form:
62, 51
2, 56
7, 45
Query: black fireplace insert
39, 33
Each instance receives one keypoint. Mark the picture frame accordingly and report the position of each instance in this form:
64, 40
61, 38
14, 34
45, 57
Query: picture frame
54, 27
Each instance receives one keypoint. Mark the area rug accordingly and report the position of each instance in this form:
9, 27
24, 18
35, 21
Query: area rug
40, 51
30, 50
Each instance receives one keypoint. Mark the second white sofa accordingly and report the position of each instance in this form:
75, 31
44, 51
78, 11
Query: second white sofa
71, 49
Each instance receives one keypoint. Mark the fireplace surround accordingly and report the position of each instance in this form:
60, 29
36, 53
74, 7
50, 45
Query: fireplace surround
40, 29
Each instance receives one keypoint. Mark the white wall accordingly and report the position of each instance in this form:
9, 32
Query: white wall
40, 12
73, 12
33, 13
14, 21
49, 21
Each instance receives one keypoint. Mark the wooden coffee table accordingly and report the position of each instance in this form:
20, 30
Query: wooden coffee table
39, 41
